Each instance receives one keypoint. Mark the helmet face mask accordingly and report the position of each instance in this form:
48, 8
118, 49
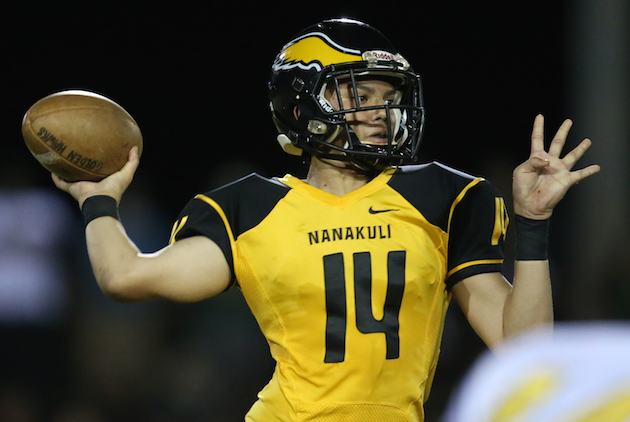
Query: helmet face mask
333, 59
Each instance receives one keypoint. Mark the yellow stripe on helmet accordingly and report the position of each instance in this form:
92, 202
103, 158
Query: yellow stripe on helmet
313, 51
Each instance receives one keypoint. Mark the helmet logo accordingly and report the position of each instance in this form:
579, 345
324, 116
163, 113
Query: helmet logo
372, 58
377, 55
314, 50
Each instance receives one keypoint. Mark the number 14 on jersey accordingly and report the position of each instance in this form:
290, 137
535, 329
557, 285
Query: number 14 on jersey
336, 300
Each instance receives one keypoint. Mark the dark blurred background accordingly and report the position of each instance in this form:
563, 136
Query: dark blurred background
193, 75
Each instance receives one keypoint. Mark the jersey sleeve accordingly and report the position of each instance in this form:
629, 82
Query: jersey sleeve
223, 214
477, 229
200, 218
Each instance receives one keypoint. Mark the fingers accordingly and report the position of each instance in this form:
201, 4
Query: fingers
582, 174
558, 142
113, 185
538, 135
555, 149
572, 157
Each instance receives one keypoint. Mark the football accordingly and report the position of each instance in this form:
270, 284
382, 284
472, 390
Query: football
80, 135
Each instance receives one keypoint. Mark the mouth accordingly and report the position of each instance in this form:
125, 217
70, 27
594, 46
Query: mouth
378, 138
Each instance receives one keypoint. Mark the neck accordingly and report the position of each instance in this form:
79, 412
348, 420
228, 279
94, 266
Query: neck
335, 177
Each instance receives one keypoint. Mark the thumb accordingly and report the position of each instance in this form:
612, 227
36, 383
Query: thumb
132, 163
538, 163
60, 183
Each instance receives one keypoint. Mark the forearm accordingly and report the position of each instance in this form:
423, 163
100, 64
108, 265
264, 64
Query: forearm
190, 270
121, 270
112, 255
497, 311
530, 303
538, 185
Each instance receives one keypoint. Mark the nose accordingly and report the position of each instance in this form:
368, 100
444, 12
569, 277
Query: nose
379, 114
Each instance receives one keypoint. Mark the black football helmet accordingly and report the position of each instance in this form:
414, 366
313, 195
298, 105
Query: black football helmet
322, 57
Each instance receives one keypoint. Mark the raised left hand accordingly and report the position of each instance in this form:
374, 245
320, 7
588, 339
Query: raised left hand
543, 180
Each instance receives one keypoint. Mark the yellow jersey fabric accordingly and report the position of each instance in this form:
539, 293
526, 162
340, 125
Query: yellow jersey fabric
351, 291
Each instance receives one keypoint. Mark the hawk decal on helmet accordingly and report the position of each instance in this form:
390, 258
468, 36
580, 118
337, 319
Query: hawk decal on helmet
314, 50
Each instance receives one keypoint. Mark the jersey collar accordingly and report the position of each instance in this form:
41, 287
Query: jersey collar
318, 194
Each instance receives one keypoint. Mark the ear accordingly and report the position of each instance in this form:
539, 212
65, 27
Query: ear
296, 112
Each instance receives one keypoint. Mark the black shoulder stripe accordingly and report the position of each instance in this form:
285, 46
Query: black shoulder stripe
431, 189
247, 201
244, 203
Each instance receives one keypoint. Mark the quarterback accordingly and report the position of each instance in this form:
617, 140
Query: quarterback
350, 271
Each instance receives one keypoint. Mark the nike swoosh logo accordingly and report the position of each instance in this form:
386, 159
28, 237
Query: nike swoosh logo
373, 211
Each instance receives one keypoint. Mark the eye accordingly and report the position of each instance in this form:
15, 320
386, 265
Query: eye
359, 100
394, 99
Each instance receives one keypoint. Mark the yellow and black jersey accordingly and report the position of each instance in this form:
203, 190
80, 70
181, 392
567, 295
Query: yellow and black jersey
351, 291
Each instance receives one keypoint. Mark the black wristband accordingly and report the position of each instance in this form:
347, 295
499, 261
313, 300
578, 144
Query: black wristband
532, 239
99, 206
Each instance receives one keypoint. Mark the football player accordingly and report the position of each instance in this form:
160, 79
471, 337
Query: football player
349, 272
580, 374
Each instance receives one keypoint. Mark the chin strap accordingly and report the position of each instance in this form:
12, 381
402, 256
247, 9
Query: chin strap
287, 145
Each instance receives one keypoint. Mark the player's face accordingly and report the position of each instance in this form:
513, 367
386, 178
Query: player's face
370, 126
